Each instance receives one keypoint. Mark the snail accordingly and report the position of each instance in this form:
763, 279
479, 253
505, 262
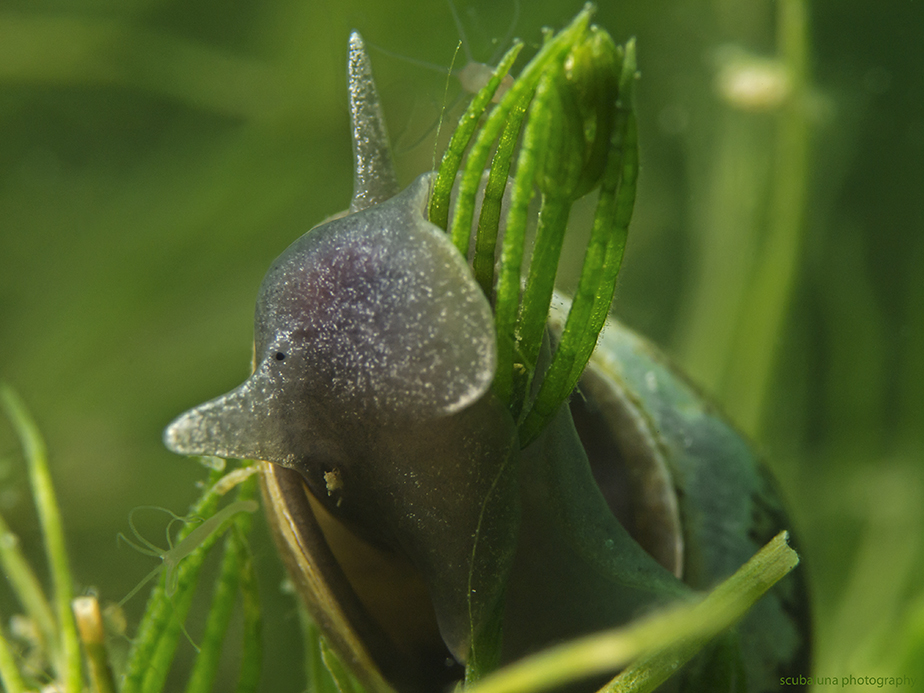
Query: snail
414, 526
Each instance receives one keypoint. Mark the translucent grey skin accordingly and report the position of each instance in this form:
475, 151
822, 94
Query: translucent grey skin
375, 352
373, 316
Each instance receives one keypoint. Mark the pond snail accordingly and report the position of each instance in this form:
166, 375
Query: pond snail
410, 520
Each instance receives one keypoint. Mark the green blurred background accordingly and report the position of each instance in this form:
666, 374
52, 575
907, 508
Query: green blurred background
156, 155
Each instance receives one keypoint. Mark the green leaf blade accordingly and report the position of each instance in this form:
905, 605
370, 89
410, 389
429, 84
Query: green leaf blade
519, 93
468, 123
489, 220
602, 261
529, 162
70, 666
669, 637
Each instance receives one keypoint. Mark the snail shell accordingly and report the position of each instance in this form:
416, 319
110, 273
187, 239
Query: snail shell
688, 487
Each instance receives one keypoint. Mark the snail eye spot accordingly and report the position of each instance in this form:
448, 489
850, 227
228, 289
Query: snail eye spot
280, 356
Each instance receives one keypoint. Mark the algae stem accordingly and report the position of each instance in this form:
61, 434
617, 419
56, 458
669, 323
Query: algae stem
672, 628
771, 291
70, 665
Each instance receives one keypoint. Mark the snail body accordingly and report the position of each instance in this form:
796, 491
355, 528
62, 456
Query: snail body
368, 369
411, 521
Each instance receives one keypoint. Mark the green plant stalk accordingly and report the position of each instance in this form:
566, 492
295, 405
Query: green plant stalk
911, 639
560, 172
252, 648
345, 681
728, 222
540, 282
317, 677
911, 404
9, 671
602, 261
530, 161
648, 672
70, 665
165, 647
596, 288
883, 570
670, 629
98, 665
28, 589
158, 611
626, 145
489, 220
593, 70
519, 93
623, 203
205, 670
461, 136
188, 575
162, 657
770, 293
471, 176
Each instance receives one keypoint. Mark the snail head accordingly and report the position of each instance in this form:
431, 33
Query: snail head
367, 329
374, 354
